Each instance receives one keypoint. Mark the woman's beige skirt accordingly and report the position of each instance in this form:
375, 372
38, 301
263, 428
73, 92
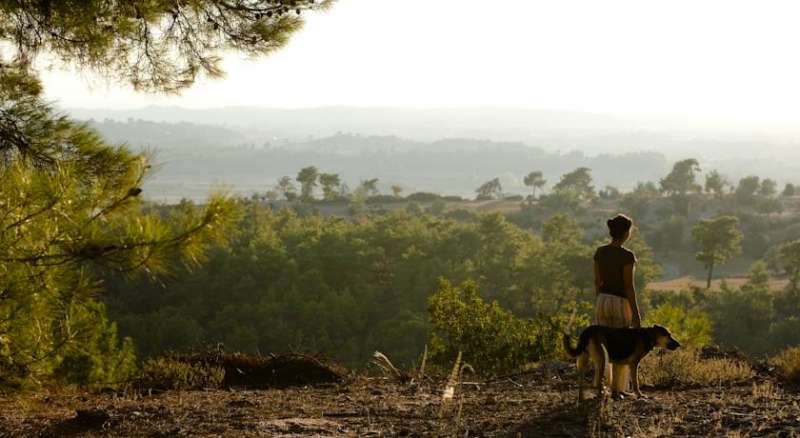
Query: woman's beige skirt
615, 311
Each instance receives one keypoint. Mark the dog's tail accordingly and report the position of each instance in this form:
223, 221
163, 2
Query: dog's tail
573, 352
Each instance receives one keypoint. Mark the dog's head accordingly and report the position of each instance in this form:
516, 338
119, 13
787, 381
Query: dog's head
664, 338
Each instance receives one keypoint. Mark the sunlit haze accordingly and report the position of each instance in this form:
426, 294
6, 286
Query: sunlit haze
709, 60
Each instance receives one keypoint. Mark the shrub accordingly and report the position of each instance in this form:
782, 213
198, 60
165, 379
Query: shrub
491, 339
689, 327
788, 364
685, 367
169, 373
422, 197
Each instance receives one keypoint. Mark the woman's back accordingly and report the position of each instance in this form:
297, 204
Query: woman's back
611, 261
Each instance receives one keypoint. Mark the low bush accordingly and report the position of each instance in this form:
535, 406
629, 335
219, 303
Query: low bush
491, 339
170, 373
788, 364
689, 326
422, 197
685, 366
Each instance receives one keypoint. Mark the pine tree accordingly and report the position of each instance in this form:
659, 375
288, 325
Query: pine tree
155, 45
71, 209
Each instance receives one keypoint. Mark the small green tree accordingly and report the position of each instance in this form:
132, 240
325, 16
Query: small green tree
397, 191
491, 189
716, 184
789, 258
535, 180
747, 188
579, 181
286, 188
768, 188
307, 177
330, 186
682, 179
370, 187
789, 190
718, 240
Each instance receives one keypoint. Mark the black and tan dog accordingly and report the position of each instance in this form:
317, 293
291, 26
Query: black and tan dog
619, 346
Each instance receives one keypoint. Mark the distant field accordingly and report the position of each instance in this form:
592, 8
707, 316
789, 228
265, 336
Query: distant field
691, 282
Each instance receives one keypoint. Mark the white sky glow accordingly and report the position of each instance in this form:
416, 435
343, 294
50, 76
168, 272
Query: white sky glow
708, 59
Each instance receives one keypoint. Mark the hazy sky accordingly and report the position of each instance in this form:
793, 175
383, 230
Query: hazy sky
707, 59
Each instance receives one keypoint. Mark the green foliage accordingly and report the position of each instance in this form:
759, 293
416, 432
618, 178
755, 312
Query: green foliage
370, 186
155, 45
716, 184
768, 188
491, 339
307, 177
610, 193
491, 189
166, 373
689, 326
743, 316
71, 210
561, 201
718, 240
330, 186
747, 188
789, 190
286, 188
579, 182
535, 180
96, 356
637, 202
346, 287
682, 179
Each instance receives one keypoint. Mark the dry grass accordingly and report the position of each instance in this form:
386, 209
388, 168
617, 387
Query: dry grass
686, 283
685, 367
788, 364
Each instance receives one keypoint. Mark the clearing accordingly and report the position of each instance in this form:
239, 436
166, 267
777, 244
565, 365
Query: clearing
540, 403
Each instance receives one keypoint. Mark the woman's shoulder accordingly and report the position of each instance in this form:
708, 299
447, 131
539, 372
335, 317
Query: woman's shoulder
629, 253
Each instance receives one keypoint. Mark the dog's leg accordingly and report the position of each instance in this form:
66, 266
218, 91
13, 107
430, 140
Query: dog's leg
581, 367
599, 369
635, 370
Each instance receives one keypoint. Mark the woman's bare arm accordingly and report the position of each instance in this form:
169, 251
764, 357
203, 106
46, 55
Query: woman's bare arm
598, 279
630, 293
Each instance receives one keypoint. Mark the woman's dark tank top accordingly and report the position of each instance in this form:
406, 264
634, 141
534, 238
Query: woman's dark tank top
612, 260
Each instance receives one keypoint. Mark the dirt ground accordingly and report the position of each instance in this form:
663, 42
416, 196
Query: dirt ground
539, 404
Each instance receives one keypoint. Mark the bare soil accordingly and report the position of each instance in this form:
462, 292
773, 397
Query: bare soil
537, 404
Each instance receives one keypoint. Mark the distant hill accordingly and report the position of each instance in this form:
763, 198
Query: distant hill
729, 146
248, 149
193, 158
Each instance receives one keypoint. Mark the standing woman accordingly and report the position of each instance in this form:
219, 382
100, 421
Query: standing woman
614, 267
